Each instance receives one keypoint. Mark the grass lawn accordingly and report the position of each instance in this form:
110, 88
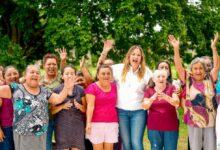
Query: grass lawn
182, 142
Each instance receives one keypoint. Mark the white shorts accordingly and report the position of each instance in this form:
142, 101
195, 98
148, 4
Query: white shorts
103, 133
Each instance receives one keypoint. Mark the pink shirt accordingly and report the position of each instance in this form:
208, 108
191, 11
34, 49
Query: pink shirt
6, 113
105, 103
162, 115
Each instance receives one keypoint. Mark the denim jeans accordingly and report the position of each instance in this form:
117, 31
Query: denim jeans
160, 140
8, 143
131, 128
50, 130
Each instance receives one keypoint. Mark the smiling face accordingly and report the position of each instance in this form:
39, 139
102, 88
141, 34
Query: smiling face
198, 71
135, 58
11, 75
104, 75
32, 76
160, 78
51, 67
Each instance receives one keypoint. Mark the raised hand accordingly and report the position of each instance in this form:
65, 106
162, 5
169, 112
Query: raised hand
108, 45
62, 52
214, 41
173, 41
82, 62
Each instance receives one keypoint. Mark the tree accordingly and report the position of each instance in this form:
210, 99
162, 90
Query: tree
41, 26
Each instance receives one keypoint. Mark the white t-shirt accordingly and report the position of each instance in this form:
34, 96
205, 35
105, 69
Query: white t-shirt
130, 92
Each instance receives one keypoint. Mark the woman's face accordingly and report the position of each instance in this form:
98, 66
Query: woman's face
104, 75
68, 73
198, 71
32, 77
164, 66
160, 79
51, 67
135, 58
11, 75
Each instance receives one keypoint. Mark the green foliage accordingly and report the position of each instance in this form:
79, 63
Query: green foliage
41, 26
11, 54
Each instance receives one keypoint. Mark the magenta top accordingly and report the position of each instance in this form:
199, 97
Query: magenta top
162, 115
105, 102
6, 113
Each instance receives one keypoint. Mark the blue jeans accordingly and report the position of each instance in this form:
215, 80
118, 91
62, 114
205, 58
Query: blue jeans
160, 140
8, 143
131, 128
50, 130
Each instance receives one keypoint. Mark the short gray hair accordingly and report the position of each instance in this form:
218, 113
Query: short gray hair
195, 61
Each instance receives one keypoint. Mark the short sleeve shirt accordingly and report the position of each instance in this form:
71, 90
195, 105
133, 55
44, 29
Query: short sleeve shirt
131, 91
105, 103
162, 115
30, 111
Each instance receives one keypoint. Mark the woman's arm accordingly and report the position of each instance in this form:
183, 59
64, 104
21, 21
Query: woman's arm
214, 71
147, 102
0, 102
108, 45
5, 91
2, 136
82, 107
177, 59
59, 98
173, 100
63, 57
86, 74
90, 99
56, 109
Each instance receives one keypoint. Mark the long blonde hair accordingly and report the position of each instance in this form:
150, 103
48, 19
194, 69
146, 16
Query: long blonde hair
126, 62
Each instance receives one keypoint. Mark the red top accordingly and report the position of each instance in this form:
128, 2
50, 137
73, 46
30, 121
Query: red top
105, 102
6, 113
162, 115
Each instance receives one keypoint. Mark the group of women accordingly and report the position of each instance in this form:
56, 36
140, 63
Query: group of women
118, 105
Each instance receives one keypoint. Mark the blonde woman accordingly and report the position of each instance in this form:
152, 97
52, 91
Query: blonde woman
131, 78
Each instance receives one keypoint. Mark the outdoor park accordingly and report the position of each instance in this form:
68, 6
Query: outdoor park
30, 29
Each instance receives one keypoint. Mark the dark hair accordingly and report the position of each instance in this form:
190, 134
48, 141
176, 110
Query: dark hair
169, 78
48, 56
63, 69
101, 67
6, 69
79, 73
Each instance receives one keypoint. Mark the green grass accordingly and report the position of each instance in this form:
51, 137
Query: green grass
182, 141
